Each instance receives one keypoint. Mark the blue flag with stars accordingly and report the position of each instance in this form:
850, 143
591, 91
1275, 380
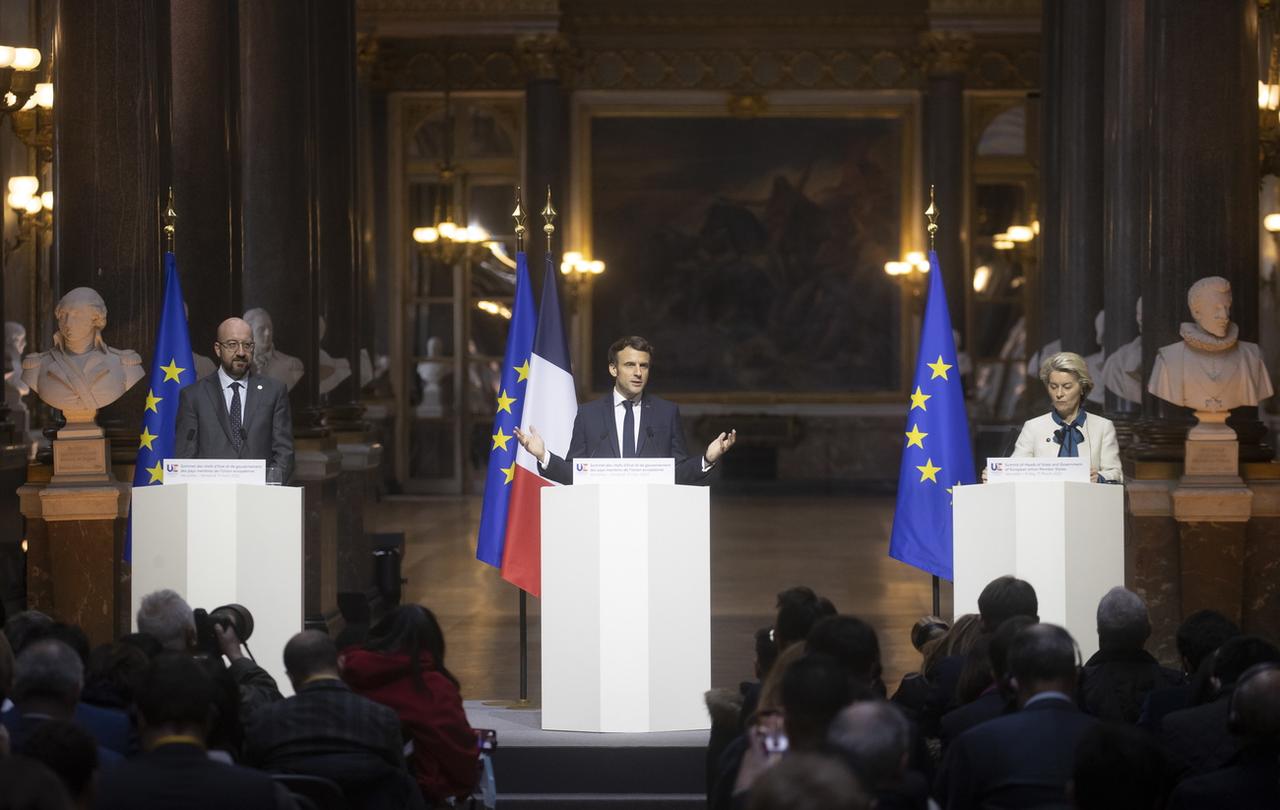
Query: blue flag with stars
511, 391
172, 369
937, 455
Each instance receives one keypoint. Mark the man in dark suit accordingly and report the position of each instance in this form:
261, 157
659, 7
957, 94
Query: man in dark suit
1252, 778
628, 424
1198, 738
1024, 759
1117, 679
173, 702
236, 413
327, 730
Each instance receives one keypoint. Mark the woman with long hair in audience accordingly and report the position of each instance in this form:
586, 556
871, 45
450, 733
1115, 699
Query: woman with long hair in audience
401, 665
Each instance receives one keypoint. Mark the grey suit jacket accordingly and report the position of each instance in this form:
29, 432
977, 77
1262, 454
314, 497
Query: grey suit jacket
203, 429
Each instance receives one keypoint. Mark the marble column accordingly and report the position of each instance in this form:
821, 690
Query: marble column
1262, 552
281, 247
944, 143
110, 176
1124, 198
1047, 326
1079, 141
204, 60
1202, 74
1153, 560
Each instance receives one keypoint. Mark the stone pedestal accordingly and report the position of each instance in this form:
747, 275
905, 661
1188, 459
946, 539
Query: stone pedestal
75, 549
317, 464
1152, 560
357, 485
1262, 551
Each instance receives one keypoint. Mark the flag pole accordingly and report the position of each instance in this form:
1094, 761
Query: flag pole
931, 214
519, 216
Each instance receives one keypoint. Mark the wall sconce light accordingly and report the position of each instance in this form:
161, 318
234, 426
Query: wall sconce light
448, 242
1272, 222
34, 209
17, 76
33, 123
578, 269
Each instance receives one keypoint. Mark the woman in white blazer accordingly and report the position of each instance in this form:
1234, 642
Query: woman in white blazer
1067, 430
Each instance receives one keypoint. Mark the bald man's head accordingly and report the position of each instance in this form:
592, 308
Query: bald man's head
1255, 709
234, 347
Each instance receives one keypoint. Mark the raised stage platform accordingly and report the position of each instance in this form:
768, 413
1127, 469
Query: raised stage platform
584, 771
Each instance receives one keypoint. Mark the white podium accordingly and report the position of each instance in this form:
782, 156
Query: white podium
1065, 538
220, 543
626, 607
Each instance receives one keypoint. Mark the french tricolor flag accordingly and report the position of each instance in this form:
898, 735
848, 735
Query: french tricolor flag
550, 405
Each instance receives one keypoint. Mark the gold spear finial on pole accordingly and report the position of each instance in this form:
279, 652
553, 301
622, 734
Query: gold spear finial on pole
518, 216
549, 214
932, 214
170, 222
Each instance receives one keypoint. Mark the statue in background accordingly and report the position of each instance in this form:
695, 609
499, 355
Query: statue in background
15, 343
1098, 359
333, 370
81, 374
1211, 369
267, 359
1122, 373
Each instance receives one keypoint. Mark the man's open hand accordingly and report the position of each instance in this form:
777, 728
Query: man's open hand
720, 445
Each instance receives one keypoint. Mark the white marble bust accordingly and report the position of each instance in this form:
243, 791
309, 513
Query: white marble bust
81, 374
1211, 369
15, 343
267, 359
333, 370
1098, 359
1122, 373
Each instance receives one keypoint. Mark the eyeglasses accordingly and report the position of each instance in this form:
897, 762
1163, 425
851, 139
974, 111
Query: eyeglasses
236, 345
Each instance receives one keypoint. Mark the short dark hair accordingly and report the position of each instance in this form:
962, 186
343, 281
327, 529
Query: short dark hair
175, 689
48, 668
1201, 633
68, 634
851, 642
998, 648
19, 625
629, 342
1042, 652
310, 652
1004, 597
68, 750
1120, 767
1238, 654
814, 689
799, 608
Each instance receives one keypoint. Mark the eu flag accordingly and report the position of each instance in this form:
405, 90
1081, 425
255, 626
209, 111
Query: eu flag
937, 455
172, 369
511, 398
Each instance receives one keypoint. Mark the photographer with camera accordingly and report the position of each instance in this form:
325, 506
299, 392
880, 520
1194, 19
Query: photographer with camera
242, 687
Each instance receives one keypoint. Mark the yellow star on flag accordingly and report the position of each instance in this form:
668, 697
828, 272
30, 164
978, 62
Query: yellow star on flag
928, 472
500, 439
146, 438
915, 438
171, 371
939, 369
156, 473
505, 402
509, 472
918, 399
152, 401
523, 371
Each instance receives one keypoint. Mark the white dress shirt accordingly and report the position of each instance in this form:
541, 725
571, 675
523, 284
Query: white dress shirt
225, 380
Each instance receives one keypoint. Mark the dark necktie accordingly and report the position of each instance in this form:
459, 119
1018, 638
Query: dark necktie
235, 416
629, 430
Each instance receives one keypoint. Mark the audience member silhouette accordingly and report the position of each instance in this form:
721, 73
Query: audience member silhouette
1198, 637
1115, 681
1119, 768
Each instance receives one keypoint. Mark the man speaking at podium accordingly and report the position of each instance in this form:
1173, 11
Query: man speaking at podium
628, 423
236, 413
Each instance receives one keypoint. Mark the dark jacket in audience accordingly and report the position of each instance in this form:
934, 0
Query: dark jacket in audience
1197, 738
182, 775
20, 726
1250, 782
327, 730
989, 705
1024, 759
1161, 703
445, 758
1115, 683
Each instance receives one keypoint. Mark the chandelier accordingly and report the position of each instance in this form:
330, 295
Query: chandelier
17, 77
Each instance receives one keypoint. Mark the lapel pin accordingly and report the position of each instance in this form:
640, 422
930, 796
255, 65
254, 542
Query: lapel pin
259, 386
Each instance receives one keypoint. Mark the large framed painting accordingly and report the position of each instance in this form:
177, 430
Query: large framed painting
750, 250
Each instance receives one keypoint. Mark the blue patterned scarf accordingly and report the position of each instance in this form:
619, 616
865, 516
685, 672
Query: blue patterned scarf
1068, 436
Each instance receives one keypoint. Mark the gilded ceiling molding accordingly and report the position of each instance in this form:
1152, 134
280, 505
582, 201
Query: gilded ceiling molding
509, 64
453, 8
946, 52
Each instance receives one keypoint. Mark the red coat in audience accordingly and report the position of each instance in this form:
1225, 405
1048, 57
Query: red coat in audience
445, 752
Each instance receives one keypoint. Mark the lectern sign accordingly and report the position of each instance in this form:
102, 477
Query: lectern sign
1038, 469
215, 471
624, 471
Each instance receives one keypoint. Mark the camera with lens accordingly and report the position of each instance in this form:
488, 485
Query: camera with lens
233, 616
